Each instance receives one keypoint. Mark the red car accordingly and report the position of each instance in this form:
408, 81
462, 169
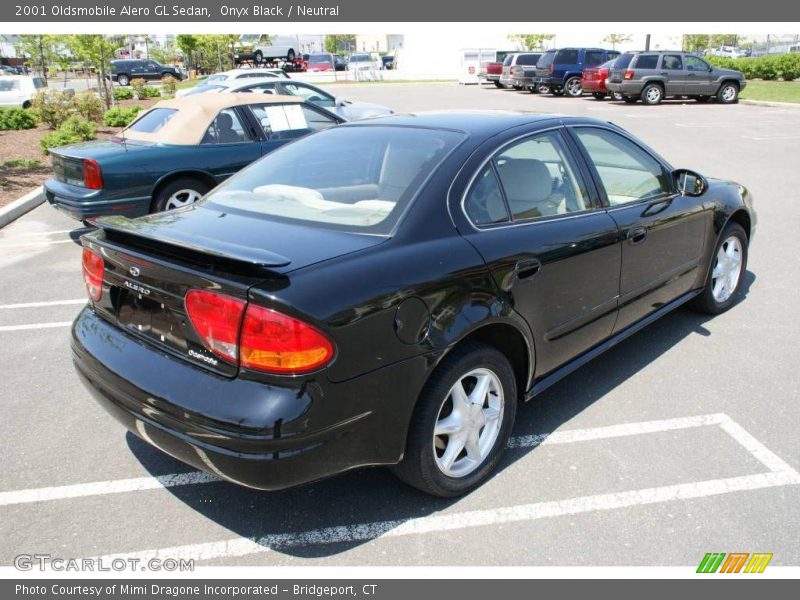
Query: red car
325, 61
593, 80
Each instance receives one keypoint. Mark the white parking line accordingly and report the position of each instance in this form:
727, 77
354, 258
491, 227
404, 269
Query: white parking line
35, 326
569, 436
42, 243
42, 232
361, 532
41, 304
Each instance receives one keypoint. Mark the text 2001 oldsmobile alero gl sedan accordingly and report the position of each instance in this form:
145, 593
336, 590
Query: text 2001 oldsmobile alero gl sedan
387, 292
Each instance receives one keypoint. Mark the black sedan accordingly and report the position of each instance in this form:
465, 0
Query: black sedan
388, 292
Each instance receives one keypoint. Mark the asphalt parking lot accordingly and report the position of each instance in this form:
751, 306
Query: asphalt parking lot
682, 440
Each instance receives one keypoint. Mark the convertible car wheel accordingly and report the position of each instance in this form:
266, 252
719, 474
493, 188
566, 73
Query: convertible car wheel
178, 193
725, 279
461, 424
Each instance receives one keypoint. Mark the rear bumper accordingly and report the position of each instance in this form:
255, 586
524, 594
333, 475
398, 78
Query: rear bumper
81, 203
626, 88
265, 436
551, 81
594, 86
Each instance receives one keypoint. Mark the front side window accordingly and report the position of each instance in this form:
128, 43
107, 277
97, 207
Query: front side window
627, 172
672, 62
356, 178
309, 94
226, 128
289, 121
695, 64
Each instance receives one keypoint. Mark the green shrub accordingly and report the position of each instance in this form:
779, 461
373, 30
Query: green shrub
170, 85
142, 90
121, 117
769, 68
123, 93
17, 118
73, 131
90, 106
789, 65
53, 107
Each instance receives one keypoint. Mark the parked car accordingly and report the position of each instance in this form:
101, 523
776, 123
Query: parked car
261, 48
728, 52
511, 66
349, 110
325, 61
491, 71
363, 61
123, 70
653, 76
175, 152
19, 90
523, 72
593, 81
561, 70
388, 62
389, 292
221, 81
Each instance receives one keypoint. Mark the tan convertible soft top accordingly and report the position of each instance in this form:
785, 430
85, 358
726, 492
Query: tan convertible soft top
195, 113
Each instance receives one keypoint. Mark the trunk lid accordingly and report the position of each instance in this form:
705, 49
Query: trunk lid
67, 169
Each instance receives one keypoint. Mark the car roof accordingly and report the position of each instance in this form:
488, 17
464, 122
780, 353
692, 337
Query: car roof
195, 114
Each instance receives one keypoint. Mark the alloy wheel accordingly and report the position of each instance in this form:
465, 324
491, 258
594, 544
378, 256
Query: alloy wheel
468, 423
653, 94
727, 269
728, 93
182, 198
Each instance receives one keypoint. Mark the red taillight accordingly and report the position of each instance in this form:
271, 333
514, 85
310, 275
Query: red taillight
92, 174
628, 74
93, 274
551, 68
216, 319
256, 337
277, 343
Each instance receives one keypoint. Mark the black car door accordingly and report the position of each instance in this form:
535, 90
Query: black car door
548, 243
662, 233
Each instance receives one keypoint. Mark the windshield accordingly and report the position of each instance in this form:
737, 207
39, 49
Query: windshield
217, 77
249, 38
8, 85
359, 58
152, 120
623, 60
320, 58
202, 89
315, 180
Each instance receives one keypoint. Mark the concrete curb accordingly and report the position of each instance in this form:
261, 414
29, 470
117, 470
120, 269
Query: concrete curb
767, 103
19, 207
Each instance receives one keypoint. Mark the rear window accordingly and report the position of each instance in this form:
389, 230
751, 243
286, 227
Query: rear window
546, 60
646, 61
316, 180
153, 120
623, 60
593, 58
508, 60
320, 58
567, 57
527, 59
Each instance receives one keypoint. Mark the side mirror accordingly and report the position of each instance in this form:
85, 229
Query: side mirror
689, 183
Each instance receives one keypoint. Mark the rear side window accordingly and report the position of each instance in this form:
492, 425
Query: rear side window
484, 204
623, 61
593, 58
672, 62
567, 57
153, 120
647, 61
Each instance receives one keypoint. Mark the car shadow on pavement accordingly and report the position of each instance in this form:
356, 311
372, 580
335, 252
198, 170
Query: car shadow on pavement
329, 517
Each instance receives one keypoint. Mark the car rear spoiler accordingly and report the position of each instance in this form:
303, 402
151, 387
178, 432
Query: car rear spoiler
191, 242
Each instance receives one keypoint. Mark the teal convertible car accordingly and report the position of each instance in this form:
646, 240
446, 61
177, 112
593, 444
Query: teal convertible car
175, 152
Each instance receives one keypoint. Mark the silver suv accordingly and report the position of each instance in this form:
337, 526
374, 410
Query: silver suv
653, 76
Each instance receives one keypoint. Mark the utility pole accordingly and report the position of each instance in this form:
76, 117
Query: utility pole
647, 43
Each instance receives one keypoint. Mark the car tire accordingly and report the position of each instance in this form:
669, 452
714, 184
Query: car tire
123, 80
499, 85
616, 96
426, 455
599, 96
630, 99
728, 93
652, 94
728, 264
702, 99
258, 57
290, 56
179, 192
557, 91
27, 104
542, 88
572, 87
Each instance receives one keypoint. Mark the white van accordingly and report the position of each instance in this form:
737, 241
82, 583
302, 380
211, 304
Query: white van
19, 90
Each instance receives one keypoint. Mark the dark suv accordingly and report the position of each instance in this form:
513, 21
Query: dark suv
653, 76
123, 70
559, 71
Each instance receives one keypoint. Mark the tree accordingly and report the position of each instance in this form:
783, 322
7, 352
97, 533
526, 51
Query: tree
531, 41
187, 43
722, 39
215, 51
617, 38
695, 42
97, 50
40, 50
340, 42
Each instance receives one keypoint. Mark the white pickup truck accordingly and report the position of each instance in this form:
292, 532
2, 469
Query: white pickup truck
260, 48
